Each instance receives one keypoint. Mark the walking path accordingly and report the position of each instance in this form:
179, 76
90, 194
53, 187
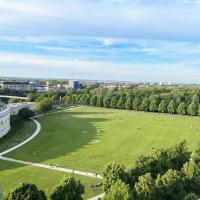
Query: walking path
51, 167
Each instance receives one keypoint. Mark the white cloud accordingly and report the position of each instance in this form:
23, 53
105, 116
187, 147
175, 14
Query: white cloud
171, 19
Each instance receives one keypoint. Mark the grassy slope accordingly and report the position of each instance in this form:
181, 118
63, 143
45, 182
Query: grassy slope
20, 130
124, 135
12, 174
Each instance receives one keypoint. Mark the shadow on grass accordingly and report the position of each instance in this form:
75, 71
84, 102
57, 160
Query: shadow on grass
61, 134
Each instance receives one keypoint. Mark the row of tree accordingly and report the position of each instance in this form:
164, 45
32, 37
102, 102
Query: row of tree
148, 100
70, 189
169, 174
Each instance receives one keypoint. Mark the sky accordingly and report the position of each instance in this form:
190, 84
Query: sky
126, 40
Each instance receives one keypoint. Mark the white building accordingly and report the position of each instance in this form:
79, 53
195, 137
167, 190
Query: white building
4, 119
16, 85
13, 109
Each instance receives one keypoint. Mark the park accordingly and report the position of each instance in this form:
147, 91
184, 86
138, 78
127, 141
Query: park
87, 139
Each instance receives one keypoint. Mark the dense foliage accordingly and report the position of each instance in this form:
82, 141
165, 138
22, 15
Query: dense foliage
173, 100
26, 113
169, 174
69, 190
26, 191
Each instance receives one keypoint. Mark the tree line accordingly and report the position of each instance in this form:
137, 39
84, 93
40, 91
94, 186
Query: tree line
184, 101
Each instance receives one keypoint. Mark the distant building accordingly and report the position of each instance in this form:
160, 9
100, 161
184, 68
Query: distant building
16, 85
73, 85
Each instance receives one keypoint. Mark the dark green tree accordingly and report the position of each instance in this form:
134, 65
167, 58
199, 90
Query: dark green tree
112, 173
182, 109
193, 109
106, 102
121, 103
136, 104
69, 190
171, 108
162, 106
26, 191
145, 104
100, 101
93, 100
113, 102
119, 191
129, 103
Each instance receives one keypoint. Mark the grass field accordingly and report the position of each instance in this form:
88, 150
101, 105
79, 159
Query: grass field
88, 138
12, 174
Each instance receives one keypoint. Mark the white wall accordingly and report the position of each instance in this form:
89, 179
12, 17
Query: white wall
4, 121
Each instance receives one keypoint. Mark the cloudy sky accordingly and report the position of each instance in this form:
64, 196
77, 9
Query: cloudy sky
137, 40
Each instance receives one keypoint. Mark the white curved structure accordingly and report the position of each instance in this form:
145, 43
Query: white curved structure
4, 119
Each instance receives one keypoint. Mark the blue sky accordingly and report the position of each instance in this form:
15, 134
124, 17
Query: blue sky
137, 40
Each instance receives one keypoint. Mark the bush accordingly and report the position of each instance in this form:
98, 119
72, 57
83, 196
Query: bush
44, 105
26, 113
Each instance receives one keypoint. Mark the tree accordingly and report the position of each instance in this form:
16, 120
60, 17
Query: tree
26, 191
100, 101
136, 104
145, 104
93, 100
171, 108
154, 102
121, 103
106, 102
170, 185
129, 103
119, 191
162, 106
69, 190
112, 173
113, 102
26, 113
145, 188
191, 172
44, 105
182, 110
193, 109
199, 111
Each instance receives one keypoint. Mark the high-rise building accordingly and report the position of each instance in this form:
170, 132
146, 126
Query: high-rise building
74, 85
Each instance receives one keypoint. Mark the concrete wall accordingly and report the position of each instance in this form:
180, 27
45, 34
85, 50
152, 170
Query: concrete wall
15, 108
4, 121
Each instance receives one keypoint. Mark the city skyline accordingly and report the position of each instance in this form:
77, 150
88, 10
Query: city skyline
138, 40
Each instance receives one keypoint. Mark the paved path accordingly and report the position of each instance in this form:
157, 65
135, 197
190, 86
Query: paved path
97, 197
51, 167
15, 97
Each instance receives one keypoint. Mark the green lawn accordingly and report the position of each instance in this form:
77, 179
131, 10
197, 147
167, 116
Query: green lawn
12, 174
20, 130
88, 138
